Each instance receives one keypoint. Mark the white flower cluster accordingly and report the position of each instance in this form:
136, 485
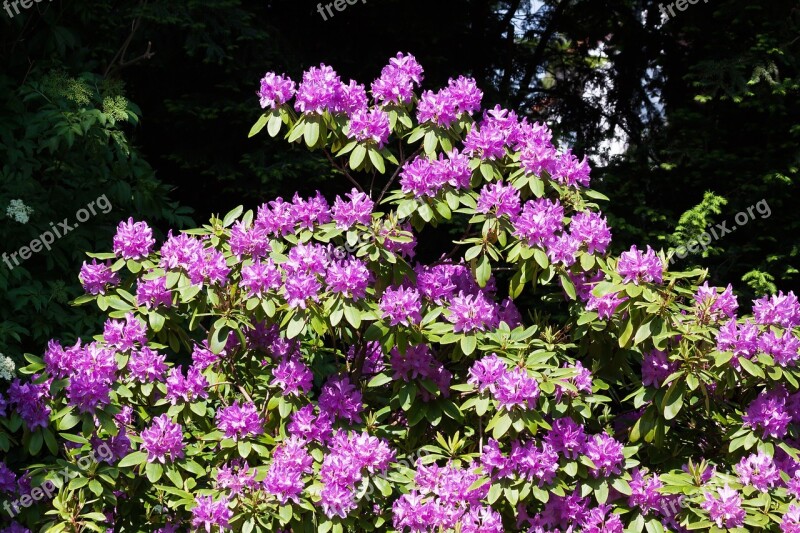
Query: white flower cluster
19, 211
6, 368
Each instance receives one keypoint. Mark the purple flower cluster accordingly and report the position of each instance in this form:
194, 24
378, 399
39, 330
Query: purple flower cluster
340, 399
418, 362
208, 513
97, 277
779, 310
499, 199
758, 470
30, 401
461, 96
134, 240
445, 497
725, 510
163, 440
240, 420
292, 376
401, 306
471, 312
322, 90
606, 454
769, 413
344, 466
275, 90
186, 388
369, 126
397, 81
358, 210
290, 463
425, 177
656, 367
712, 304
635, 266
511, 388
153, 293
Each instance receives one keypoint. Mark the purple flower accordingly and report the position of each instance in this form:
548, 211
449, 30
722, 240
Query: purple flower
290, 462
320, 91
566, 437
539, 464
349, 278
353, 97
605, 453
601, 520
768, 413
124, 336
275, 90
499, 199
259, 278
438, 108
236, 477
396, 84
779, 310
563, 249
147, 366
636, 266
31, 401
134, 240
485, 373
487, 142
726, 511
401, 306
356, 211
418, 362
656, 367
163, 439
251, 241
240, 420
605, 305
292, 376
644, 492
465, 93
790, 523
759, 471
369, 126
153, 293
312, 212
741, 339
8, 479
340, 399
186, 388
407, 241
591, 229
570, 171
300, 288
715, 305
96, 278
539, 221
784, 349
304, 424
516, 388
472, 312
208, 513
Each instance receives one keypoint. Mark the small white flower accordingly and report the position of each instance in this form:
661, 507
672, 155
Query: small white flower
6, 368
19, 211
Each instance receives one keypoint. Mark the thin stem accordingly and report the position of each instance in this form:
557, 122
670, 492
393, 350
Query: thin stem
342, 170
397, 171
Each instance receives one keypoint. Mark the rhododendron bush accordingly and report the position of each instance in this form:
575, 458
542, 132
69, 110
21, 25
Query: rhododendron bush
309, 366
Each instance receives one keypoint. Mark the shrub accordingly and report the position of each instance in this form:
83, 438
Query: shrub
299, 368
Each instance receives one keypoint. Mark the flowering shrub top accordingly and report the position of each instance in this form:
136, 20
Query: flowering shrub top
254, 376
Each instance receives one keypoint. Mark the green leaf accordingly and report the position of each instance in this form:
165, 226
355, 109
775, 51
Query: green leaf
468, 344
502, 424
377, 160
357, 156
154, 471
673, 399
379, 380
135, 458
353, 316
258, 126
244, 448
